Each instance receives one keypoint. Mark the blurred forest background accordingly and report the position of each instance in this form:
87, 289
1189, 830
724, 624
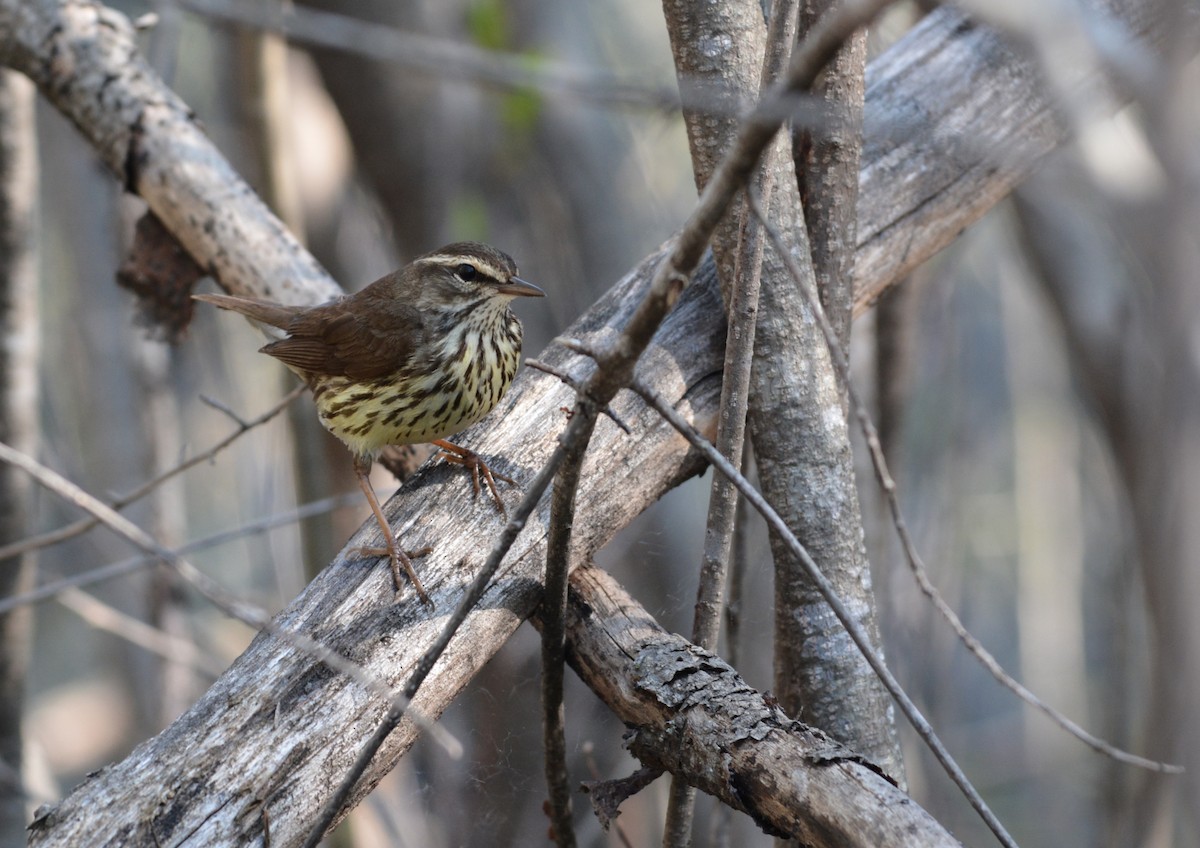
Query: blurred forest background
996, 434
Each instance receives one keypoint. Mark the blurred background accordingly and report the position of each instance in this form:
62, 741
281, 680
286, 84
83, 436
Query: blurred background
1003, 452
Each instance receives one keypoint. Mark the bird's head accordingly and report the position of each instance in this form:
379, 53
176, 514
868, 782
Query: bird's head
471, 271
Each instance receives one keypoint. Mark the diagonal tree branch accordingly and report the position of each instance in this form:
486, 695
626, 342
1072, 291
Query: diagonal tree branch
793, 780
84, 59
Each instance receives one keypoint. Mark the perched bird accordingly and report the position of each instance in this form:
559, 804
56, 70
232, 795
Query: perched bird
416, 356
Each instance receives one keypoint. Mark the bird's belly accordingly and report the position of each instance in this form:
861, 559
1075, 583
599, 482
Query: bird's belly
412, 409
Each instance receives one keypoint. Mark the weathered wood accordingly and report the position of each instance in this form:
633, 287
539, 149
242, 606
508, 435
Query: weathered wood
692, 714
955, 118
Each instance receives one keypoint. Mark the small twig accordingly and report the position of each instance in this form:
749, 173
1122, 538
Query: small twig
857, 633
126, 566
738, 559
587, 786
576, 384
221, 406
553, 616
470, 598
228, 603
167, 645
915, 562
70, 531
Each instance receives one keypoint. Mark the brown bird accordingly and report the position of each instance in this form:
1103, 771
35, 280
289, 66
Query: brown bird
416, 356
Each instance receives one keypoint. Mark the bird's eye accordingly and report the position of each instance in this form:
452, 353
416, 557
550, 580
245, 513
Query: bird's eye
466, 272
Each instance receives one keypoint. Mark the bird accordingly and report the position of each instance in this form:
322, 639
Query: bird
416, 356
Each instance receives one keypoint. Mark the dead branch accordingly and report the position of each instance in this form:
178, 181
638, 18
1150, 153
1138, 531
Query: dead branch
692, 713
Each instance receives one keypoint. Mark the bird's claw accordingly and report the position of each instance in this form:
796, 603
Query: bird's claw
474, 463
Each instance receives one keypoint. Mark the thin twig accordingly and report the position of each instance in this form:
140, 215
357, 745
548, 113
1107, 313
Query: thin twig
224, 408
720, 523
70, 531
126, 566
553, 616
153, 639
224, 600
576, 384
855, 630
723, 496
470, 598
913, 557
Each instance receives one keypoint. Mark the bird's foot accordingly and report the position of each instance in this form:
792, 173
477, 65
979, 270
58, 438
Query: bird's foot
399, 559
473, 462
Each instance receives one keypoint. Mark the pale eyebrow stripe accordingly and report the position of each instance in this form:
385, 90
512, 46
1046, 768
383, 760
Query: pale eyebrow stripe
481, 264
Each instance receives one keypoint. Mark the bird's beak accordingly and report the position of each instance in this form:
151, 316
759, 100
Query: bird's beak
516, 287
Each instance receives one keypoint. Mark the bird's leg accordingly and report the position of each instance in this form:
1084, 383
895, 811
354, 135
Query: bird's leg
474, 462
397, 557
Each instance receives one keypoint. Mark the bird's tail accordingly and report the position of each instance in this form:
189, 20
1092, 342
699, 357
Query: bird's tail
275, 314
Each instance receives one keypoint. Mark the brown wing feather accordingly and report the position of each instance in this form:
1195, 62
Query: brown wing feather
363, 344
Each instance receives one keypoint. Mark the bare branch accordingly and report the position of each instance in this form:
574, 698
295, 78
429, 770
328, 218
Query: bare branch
691, 713
912, 556
143, 132
127, 566
225, 601
553, 612
20, 392
167, 645
77, 528
848, 620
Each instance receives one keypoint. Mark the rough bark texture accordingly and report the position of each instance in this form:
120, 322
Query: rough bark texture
278, 727
827, 164
18, 423
692, 714
801, 440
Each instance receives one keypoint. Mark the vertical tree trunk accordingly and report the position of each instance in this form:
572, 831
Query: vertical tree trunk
18, 422
799, 431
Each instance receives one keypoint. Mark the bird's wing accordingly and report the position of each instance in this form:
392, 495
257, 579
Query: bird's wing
358, 344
